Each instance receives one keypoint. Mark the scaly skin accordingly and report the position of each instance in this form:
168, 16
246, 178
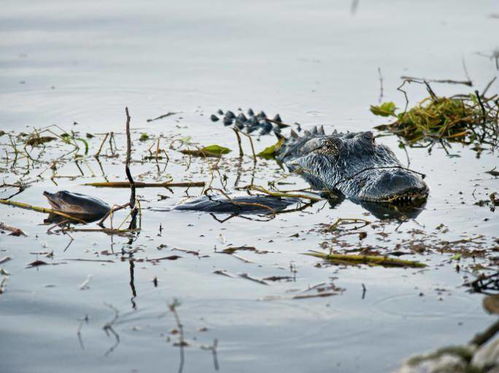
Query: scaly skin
353, 165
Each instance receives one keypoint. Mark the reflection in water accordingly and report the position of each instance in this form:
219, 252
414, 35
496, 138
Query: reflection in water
61, 220
271, 206
394, 211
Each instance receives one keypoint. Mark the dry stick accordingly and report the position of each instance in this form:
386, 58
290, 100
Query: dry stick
399, 88
380, 85
366, 259
40, 209
112, 211
213, 349
133, 223
101, 145
173, 309
138, 184
433, 95
111, 231
108, 329
241, 153
465, 70
484, 113
14, 231
488, 86
447, 81
341, 221
252, 146
78, 332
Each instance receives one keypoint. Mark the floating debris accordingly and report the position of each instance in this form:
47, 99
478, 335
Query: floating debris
354, 259
466, 119
170, 113
207, 151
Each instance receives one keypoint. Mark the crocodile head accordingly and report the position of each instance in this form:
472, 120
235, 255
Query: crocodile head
354, 165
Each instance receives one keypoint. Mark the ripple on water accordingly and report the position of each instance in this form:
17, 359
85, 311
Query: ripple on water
425, 306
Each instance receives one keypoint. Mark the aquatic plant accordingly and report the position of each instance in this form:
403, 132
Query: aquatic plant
467, 119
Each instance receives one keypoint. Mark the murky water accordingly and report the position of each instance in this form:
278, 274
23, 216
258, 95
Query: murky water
77, 65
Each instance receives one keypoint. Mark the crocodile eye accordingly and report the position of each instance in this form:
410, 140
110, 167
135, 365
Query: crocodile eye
328, 147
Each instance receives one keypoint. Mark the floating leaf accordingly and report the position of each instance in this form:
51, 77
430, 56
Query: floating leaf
144, 137
207, 151
386, 109
216, 149
270, 151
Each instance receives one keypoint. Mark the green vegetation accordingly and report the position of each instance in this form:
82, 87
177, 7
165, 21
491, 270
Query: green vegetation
207, 151
466, 119
270, 151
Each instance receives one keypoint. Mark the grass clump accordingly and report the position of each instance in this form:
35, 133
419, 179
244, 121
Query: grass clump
467, 119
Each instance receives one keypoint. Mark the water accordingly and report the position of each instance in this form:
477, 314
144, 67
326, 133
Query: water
312, 62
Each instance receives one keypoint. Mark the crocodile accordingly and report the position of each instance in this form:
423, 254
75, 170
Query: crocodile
349, 164
353, 165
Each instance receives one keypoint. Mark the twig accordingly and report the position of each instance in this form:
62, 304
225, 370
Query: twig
40, 209
78, 331
399, 88
170, 113
241, 153
138, 184
133, 222
103, 230
341, 221
108, 328
111, 212
213, 349
248, 277
380, 85
101, 145
468, 82
484, 113
181, 343
366, 259
488, 86
14, 231
252, 146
